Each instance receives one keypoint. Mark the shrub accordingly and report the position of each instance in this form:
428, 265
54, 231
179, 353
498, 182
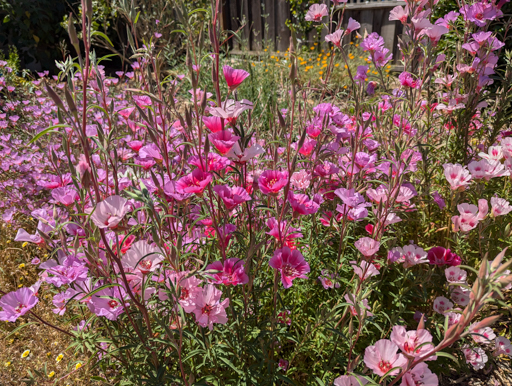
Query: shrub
310, 235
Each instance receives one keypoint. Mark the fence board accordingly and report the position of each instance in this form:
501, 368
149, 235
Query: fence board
266, 22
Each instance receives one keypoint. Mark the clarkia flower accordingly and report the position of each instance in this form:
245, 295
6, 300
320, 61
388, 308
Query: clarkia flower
367, 246
208, 307
316, 12
442, 256
17, 303
234, 78
291, 265
110, 212
232, 272
232, 197
272, 181
194, 182
382, 357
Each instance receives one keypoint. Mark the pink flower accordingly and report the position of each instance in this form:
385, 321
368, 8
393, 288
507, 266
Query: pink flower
283, 364
142, 257
470, 215
482, 335
455, 275
223, 140
316, 12
457, 176
66, 195
500, 207
243, 156
460, 295
301, 179
408, 341
475, 356
352, 25
17, 303
301, 204
194, 182
83, 166
283, 233
232, 196
214, 124
272, 181
110, 212
442, 256
350, 380
441, 305
291, 264
208, 307
367, 246
399, 13
231, 109
335, 37
420, 375
232, 272
234, 78
364, 270
382, 357
503, 346
213, 163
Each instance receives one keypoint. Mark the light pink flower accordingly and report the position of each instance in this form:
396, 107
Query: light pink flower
441, 305
17, 303
243, 156
420, 375
335, 37
367, 246
142, 257
476, 357
457, 176
482, 335
110, 212
368, 268
232, 272
208, 307
301, 179
234, 77
500, 206
455, 275
503, 346
399, 13
316, 12
352, 25
470, 215
350, 380
291, 264
409, 341
382, 357
460, 295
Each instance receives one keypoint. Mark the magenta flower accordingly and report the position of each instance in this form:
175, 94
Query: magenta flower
272, 181
17, 303
61, 299
232, 196
194, 182
367, 246
441, 256
301, 204
283, 233
479, 13
110, 212
232, 272
208, 307
291, 264
382, 357
316, 12
213, 163
234, 78
214, 124
142, 257
223, 140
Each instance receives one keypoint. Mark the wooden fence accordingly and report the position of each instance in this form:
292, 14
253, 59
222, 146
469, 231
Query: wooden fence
263, 22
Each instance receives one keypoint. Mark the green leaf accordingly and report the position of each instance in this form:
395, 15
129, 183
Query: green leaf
446, 355
136, 18
19, 328
94, 33
46, 131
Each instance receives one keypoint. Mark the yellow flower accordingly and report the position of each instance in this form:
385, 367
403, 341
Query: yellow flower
25, 354
311, 48
24, 244
21, 266
351, 42
277, 51
7, 364
20, 285
320, 72
346, 66
316, 44
78, 365
48, 354
8, 241
59, 357
51, 374
265, 50
337, 65
272, 57
357, 45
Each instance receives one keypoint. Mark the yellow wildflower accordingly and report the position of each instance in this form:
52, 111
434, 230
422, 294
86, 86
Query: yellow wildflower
59, 357
78, 365
24, 244
51, 374
25, 354
21, 266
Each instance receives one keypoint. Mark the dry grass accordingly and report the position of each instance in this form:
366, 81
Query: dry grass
45, 343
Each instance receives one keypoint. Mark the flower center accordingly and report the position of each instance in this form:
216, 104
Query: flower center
20, 308
207, 309
113, 304
385, 366
184, 293
146, 265
288, 270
